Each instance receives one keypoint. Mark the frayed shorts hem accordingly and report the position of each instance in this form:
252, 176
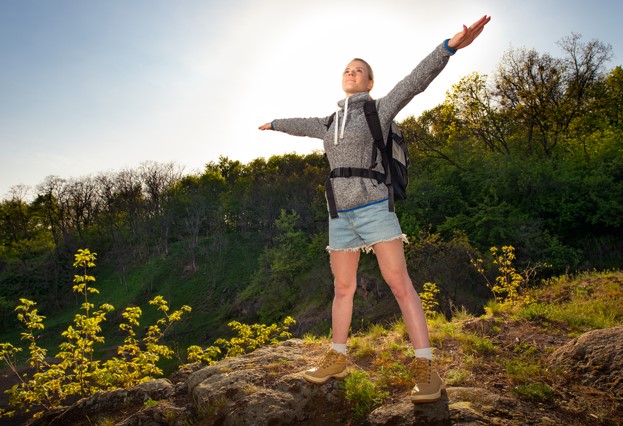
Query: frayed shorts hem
362, 228
368, 248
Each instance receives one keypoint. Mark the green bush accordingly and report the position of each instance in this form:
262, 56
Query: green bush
362, 394
535, 392
74, 370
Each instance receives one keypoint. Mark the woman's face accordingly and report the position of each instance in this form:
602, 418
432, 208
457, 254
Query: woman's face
356, 78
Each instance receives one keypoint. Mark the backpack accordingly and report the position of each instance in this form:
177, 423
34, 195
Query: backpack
394, 157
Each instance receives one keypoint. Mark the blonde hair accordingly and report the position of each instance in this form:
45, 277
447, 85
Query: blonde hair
368, 67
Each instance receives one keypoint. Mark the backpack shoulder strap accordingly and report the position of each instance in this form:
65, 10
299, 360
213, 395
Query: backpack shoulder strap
374, 123
330, 121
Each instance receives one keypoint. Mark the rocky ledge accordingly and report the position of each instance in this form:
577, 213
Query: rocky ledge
266, 388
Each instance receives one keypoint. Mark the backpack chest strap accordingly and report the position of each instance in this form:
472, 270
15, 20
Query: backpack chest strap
347, 172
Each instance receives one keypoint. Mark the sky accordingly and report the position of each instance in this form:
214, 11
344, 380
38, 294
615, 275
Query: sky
89, 87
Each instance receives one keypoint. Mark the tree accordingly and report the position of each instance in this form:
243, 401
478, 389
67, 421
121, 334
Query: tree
82, 204
196, 205
584, 65
433, 134
531, 103
613, 99
157, 180
15, 220
606, 109
482, 114
280, 265
51, 201
129, 202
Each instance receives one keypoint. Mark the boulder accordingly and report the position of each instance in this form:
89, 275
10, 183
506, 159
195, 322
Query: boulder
101, 403
262, 387
594, 359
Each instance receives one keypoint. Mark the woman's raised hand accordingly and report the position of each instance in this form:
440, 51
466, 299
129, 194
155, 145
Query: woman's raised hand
468, 35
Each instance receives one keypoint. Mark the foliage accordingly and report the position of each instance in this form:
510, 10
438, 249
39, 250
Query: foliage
432, 258
537, 392
487, 348
579, 303
248, 338
274, 285
150, 403
527, 372
429, 299
208, 356
510, 287
456, 377
362, 394
76, 353
251, 337
133, 363
74, 369
475, 344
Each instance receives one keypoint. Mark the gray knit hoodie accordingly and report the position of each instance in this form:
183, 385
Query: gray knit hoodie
348, 142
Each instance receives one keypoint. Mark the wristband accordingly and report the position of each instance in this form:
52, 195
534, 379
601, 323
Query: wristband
272, 125
448, 48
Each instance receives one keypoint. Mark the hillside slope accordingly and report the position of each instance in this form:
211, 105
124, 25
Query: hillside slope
540, 363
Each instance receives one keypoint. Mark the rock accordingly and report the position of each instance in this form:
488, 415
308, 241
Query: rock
181, 375
478, 406
266, 387
163, 413
242, 390
107, 402
406, 413
594, 359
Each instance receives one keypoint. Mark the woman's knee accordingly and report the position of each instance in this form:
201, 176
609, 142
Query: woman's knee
344, 288
400, 285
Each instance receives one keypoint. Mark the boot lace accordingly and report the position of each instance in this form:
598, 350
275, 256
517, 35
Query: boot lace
328, 359
422, 370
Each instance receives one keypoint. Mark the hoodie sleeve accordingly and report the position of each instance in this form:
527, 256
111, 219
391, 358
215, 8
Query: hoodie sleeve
414, 83
310, 127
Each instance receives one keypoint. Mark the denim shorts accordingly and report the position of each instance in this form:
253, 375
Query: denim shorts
362, 227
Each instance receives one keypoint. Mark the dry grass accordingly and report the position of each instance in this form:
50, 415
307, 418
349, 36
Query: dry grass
505, 351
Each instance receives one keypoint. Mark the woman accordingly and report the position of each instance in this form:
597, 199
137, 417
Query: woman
364, 220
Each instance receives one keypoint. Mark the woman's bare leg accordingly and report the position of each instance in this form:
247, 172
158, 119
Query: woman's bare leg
344, 267
392, 263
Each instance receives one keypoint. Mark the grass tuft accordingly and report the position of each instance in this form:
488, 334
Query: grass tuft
362, 394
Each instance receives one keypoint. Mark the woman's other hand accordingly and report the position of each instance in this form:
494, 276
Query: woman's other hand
468, 35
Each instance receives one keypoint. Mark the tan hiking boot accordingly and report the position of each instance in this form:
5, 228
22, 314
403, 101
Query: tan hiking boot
332, 364
428, 384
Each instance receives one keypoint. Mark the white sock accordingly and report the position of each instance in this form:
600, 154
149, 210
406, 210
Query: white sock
339, 347
424, 353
